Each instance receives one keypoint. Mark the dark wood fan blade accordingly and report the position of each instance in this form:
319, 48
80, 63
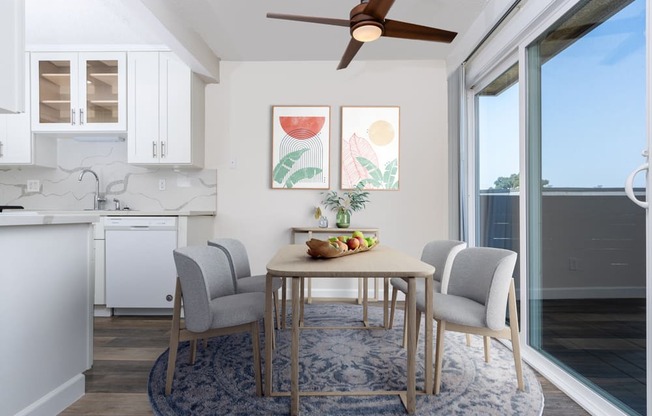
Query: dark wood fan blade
349, 53
396, 29
378, 8
310, 19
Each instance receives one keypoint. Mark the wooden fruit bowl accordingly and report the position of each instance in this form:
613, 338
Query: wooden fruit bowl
323, 249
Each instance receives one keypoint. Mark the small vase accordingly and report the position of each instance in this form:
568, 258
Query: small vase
343, 219
323, 222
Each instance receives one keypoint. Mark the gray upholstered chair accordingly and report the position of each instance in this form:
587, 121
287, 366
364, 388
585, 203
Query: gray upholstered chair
480, 289
243, 280
438, 253
211, 306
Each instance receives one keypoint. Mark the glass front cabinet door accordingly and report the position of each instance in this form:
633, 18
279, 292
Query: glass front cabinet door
76, 92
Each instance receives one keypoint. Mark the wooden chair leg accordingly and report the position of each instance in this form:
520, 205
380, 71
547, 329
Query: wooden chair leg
404, 328
487, 346
439, 352
468, 340
516, 342
276, 309
255, 338
418, 324
174, 339
392, 307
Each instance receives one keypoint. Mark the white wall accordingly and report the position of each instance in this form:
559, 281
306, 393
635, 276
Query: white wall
238, 127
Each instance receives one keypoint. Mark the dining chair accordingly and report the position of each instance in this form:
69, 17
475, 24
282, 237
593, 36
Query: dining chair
244, 282
480, 290
438, 253
210, 305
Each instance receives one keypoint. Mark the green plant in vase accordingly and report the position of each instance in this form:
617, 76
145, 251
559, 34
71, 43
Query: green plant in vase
350, 201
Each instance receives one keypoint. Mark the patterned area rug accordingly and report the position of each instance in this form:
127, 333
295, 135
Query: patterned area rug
221, 381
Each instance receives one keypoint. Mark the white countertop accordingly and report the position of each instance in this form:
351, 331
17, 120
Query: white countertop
41, 217
36, 218
130, 213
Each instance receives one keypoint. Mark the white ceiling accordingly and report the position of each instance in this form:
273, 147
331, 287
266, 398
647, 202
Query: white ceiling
238, 30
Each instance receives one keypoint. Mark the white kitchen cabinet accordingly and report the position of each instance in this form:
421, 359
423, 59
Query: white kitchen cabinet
19, 147
165, 111
12, 47
78, 92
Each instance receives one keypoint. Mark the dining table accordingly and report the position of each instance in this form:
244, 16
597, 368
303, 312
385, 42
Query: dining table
293, 262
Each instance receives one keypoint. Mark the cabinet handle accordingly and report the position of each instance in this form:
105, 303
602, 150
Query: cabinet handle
81, 116
162, 149
1, 152
153, 148
72, 118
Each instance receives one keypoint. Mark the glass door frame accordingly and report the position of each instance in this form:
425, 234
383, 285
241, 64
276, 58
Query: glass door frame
527, 26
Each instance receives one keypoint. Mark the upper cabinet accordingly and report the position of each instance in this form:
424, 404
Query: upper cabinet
166, 111
79, 92
12, 48
18, 146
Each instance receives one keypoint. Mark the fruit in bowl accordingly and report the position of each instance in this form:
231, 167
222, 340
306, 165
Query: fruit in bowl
342, 245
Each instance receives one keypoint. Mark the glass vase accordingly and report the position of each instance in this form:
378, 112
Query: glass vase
343, 219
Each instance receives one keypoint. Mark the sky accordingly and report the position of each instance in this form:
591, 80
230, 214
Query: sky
593, 111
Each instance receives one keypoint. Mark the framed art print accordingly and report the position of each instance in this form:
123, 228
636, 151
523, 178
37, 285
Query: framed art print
370, 147
300, 147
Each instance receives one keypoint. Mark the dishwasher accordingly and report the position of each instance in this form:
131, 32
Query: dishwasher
139, 266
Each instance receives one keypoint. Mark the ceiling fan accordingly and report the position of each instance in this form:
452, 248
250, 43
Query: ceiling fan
367, 23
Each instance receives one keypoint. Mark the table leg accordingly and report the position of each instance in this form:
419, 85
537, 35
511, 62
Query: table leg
294, 369
284, 296
359, 290
302, 300
385, 302
309, 290
268, 335
365, 301
411, 345
429, 333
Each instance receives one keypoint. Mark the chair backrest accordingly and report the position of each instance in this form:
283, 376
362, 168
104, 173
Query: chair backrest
440, 253
205, 274
483, 274
236, 253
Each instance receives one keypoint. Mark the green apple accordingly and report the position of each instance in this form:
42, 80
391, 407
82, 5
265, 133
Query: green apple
357, 234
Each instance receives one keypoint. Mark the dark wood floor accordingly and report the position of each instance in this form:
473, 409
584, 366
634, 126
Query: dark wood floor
126, 348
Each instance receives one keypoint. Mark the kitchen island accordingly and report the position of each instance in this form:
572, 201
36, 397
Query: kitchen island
46, 301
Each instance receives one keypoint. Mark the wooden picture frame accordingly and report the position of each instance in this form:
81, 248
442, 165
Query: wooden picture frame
301, 147
370, 146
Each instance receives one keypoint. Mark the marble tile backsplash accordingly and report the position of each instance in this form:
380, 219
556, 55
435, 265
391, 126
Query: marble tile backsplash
134, 186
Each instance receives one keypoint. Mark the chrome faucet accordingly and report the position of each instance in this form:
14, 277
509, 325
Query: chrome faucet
98, 198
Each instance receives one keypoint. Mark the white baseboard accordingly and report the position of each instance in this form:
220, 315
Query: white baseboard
102, 310
58, 399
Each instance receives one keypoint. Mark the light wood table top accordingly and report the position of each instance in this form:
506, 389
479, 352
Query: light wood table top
293, 261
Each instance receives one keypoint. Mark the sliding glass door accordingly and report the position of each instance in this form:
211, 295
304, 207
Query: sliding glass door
587, 119
551, 155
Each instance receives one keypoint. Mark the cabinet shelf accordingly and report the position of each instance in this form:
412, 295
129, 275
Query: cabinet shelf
109, 104
58, 79
58, 104
107, 78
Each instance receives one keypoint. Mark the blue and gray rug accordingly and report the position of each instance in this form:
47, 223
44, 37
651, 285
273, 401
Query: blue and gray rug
221, 382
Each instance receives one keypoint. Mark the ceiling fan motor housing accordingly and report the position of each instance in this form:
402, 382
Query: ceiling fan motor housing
359, 18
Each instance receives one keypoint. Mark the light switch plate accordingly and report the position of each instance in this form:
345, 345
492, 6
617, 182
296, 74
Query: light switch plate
33, 185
